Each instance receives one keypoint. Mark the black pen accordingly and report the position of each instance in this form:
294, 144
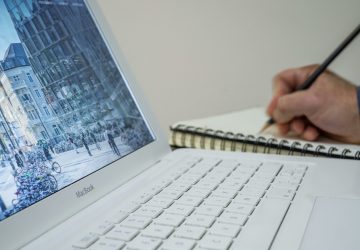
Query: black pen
322, 67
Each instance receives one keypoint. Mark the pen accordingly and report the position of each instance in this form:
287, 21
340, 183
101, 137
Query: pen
322, 67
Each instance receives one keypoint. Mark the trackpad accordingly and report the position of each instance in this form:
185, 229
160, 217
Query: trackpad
334, 224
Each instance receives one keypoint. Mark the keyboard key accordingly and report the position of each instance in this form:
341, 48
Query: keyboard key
180, 209
144, 243
189, 200
160, 202
269, 214
232, 218
138, 222
164, 182
180, 186
118, 217
149, 211
86, 241
177, 243
208, 185
170, 194
189, 179
209, 210
225, 193
203, 193
245, 199
215, 242
270, 167
200, 220
122, 233
210, 161
107, 244
259, 184
228, 164
232, 184
281, 193
103, 228
240, 208
129, 207
143, 197
167, 219
190, 232
250, 191
216, 201
158, 231
224, 229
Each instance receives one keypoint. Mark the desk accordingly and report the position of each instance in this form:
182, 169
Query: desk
197, 58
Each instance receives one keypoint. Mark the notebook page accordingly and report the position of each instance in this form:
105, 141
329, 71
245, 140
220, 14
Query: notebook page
248, 121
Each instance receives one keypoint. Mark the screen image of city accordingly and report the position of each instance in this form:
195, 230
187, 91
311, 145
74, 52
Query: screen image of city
65, 109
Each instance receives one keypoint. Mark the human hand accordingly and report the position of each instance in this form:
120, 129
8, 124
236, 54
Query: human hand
328, 107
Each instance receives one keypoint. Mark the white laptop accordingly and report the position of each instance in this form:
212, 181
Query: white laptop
85, 165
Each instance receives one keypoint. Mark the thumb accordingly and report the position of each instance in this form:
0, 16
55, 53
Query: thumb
292, 105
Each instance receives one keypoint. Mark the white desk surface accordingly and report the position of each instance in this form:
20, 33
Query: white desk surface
195, 58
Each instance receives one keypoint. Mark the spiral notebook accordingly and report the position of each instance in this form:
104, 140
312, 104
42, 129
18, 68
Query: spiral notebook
240, 131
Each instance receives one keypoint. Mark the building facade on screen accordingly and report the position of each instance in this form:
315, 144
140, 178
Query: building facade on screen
25, 116
79, 80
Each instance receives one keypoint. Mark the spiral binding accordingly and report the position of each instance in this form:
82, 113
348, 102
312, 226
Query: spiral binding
293, 147
306, 148
244, 145
259, 140
281, 145
233, 141
331, 150
268, 144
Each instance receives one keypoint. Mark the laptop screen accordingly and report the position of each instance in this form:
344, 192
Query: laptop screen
65, 108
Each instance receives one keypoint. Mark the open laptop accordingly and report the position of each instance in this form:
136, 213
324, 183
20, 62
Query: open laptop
86, 166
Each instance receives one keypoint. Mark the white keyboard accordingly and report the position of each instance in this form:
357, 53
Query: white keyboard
205, 203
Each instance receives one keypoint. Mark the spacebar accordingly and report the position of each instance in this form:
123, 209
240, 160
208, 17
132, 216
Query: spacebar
262, 226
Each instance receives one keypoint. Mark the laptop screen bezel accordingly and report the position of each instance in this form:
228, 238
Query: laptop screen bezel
35, 220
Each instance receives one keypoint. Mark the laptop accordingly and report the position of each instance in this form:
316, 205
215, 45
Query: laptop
85, 164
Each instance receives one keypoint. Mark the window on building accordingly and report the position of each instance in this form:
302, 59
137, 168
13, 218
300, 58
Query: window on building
16, 78
16, 14
54, 13
10, 3
46, 110
65, 48
37, 23
44, 39
37, 92
30, 46
58, 52
37, 42
45, 18
60, 29
51, 56
33, 5
43, 134
30, 115
56, 130
29, 28
52, 34
24, 10
29, 77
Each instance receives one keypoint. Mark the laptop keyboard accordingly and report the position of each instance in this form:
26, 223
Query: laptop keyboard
205, 203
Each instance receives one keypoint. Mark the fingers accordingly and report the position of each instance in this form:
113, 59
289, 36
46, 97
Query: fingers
300, 127
286, 82
294, 105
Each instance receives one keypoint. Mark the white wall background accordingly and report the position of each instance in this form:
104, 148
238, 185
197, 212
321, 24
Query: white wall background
194, 58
